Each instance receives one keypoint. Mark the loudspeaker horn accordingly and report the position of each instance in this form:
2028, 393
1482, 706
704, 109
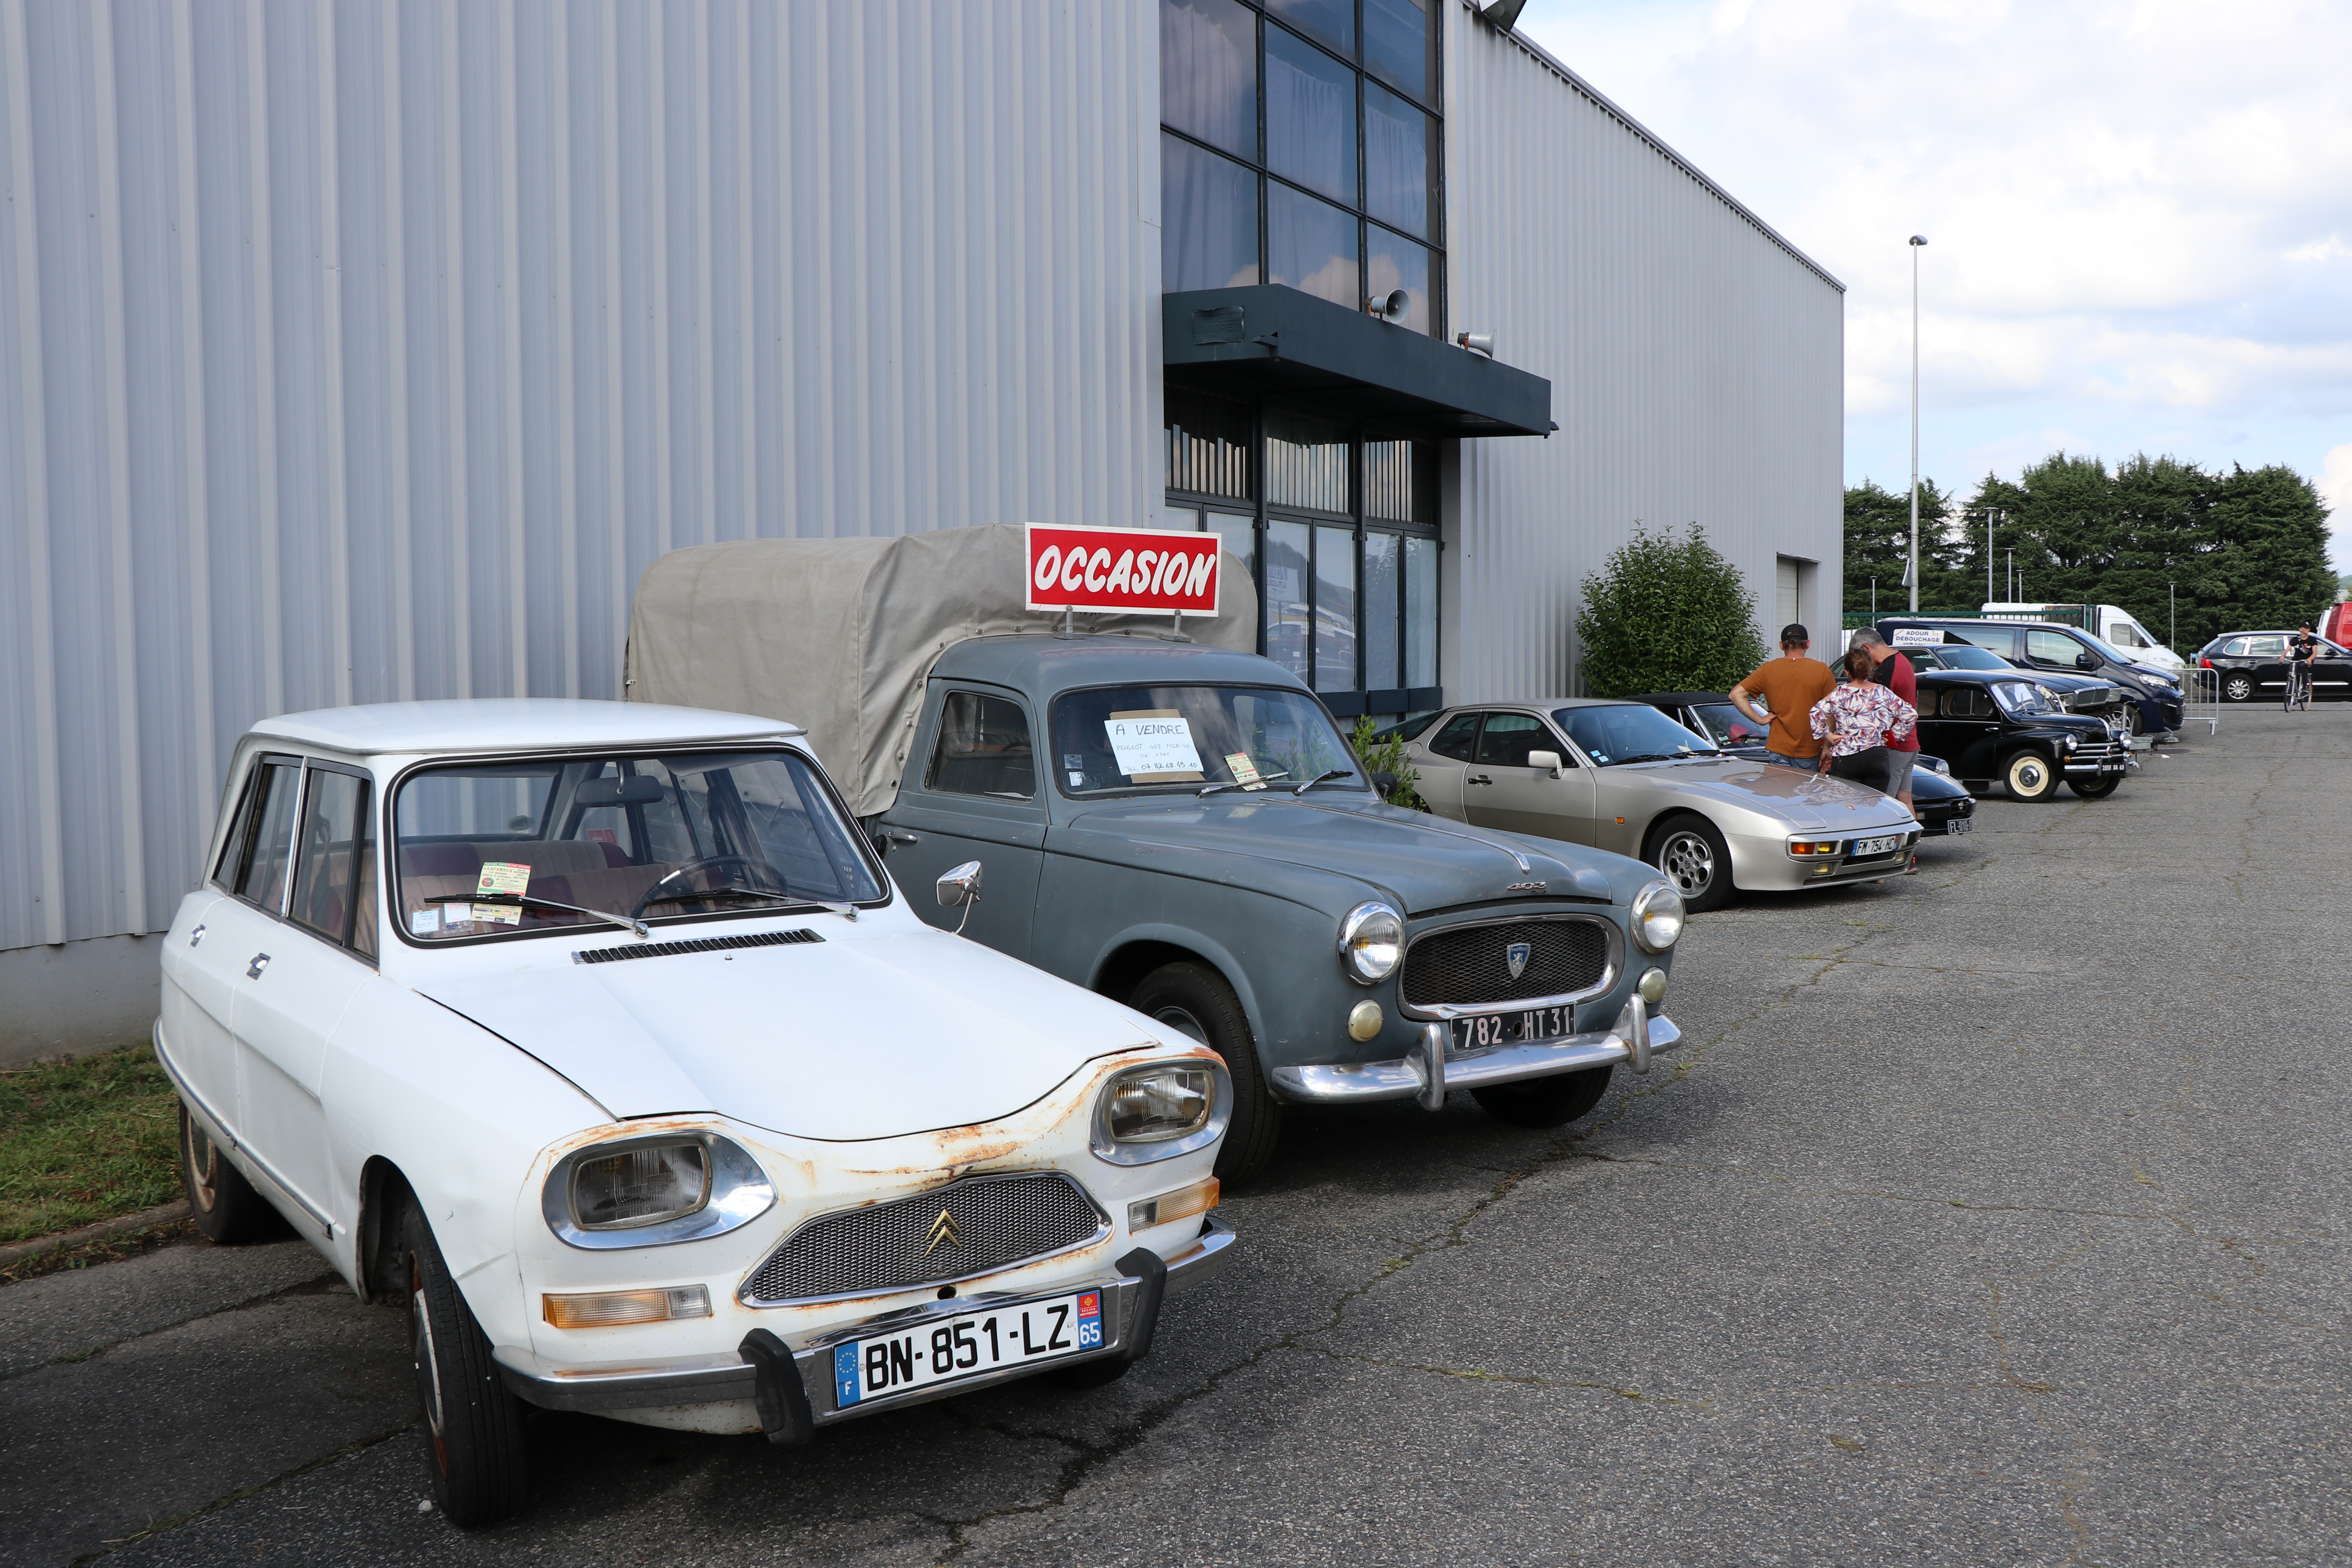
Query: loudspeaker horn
1390, 306
1476, 342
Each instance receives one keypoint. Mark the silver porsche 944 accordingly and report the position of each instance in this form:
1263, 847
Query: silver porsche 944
1622, 777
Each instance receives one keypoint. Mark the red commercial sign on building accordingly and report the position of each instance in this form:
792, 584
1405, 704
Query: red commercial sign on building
1121, 571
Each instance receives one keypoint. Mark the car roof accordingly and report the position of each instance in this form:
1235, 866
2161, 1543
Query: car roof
513, 723
1655, 699
1976, 621
1038, 661
1547, 702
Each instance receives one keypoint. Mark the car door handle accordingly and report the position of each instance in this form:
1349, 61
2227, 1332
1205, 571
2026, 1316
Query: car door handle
253, 970
195, 936
1478, 778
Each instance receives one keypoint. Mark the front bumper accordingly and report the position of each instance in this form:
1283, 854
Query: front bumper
1411, 1077
727, 1377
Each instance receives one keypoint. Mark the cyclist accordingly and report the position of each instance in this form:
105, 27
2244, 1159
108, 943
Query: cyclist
2301, 648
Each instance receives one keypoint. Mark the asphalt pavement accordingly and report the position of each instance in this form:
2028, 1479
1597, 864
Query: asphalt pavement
1991, 1216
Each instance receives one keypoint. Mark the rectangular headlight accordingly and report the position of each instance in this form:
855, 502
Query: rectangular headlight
1182, 1204
1152, 1104
618, 1309
644, 1185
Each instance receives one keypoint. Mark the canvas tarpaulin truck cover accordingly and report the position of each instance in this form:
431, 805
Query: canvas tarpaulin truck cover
838, 635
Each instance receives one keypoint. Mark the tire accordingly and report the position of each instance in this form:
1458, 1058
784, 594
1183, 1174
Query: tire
1689, 853
2095, 789
2135, 722
1194, 1000
1552, 1101
222, 1201
2029, 775
2237, 686
474, 1424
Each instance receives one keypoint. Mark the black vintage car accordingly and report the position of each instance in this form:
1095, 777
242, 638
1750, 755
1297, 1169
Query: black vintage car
2254, 664
2076, 693
1941, 803
2152, 703
2001, 727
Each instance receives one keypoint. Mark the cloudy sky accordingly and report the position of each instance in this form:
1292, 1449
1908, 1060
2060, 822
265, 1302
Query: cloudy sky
2140, 212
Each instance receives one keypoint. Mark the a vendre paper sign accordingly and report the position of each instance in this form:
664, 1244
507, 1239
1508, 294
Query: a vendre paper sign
1121, 571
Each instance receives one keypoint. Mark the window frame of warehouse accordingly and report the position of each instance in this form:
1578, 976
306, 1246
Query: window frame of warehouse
1306, 501
1263, 171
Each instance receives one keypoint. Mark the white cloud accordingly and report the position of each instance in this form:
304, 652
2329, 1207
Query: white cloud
2335, 483
2136, 209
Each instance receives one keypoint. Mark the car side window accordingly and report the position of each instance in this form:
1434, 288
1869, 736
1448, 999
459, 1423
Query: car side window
2234, 648
1459, 739
984, 748
1930, 701
2265, 648
2050, 647
267, 840
329, 868
1509, 737
2001, 639
1964, 702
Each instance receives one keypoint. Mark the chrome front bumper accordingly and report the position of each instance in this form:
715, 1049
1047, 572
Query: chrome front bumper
1428, 1075
727, 1375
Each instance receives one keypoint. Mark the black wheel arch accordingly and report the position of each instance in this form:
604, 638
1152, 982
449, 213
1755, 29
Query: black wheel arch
384, 1197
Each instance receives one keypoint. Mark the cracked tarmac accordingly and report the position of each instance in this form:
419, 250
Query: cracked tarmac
1991, 1215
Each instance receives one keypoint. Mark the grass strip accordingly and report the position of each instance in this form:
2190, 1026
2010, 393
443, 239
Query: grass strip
83, 1139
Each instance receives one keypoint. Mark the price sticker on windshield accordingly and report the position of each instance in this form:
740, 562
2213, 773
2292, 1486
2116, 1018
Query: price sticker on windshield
501, 877
1244, 772
1153, 746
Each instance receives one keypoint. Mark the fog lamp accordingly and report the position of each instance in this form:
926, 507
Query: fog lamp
1182, 1203
1653, 986
618, 1309
1364, 1020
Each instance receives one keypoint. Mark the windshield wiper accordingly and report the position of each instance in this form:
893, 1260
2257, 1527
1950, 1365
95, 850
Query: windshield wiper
1262, 780
518, 901
1651, 757
1322, 778
800, 900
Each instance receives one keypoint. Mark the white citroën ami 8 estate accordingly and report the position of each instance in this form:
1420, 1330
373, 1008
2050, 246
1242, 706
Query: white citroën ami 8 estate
596, 1035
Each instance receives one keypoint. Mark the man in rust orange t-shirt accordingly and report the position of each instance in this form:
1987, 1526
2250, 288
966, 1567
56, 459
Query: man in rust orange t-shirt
1782, 691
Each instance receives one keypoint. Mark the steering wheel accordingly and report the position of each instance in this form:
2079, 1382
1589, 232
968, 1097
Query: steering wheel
707, 861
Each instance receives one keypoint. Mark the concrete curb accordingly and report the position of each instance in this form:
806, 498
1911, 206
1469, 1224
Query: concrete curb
104, 1230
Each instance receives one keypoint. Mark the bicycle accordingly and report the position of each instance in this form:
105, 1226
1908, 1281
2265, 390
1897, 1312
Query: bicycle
2298, 687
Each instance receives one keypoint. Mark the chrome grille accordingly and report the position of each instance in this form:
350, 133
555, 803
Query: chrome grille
998, 1221
1466, 965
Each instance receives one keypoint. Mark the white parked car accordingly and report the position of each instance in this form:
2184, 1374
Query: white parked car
596, 1034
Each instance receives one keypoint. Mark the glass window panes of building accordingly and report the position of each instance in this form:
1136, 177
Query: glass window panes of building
1302, 147
1336, 525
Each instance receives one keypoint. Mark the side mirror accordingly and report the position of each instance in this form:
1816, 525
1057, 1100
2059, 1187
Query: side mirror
960, 885
1545, 761
2086, 659
1385, 782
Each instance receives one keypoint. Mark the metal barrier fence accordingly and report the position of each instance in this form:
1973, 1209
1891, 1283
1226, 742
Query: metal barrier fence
2200, 698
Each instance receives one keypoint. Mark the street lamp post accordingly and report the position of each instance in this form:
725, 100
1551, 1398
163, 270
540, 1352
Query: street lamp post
1917, 241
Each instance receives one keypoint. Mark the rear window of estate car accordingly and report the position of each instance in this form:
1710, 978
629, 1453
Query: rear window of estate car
492, 848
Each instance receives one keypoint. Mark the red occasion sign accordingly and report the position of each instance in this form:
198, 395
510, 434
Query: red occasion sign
1119, 571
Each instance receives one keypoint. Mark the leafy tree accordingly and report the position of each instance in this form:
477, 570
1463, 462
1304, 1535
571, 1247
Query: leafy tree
1378, 753
1878, 545
1666, 612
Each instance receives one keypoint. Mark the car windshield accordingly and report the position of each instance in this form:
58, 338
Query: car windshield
1730, 727
2024, 698
1189, 737
1964, 656
633, 836
1630, 732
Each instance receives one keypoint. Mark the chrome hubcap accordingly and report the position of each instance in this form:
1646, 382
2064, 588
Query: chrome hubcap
203, 1175
1688, 862
2027, 776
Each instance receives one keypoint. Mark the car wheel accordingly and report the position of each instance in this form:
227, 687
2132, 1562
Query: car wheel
222, 1201
1194, 1000
2135, 722
1692, 855
2094, 789
2028, 775
474, 1424
1546, 1101
2237, 686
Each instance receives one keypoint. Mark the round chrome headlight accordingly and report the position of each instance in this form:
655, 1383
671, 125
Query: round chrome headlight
1372, 942
1657, 917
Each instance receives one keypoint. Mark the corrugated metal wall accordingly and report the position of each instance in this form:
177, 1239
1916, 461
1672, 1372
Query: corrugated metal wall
1696, 362
369, 351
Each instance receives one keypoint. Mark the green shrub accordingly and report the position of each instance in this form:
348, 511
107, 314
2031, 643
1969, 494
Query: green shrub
1379, 754
1667, 613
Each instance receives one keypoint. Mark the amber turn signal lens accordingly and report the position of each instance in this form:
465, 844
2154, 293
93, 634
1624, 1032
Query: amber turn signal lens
1182, 1204
618, 1309
1813, 847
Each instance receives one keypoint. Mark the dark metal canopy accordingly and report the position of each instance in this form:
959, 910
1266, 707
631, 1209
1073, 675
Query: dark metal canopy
1268, 340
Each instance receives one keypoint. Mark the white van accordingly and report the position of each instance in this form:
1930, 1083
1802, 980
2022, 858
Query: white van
2111, 623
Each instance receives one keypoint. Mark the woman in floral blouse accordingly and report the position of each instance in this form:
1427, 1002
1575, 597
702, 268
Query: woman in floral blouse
1856, 719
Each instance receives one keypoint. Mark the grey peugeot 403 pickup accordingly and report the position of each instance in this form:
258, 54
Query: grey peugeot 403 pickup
1176, 825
